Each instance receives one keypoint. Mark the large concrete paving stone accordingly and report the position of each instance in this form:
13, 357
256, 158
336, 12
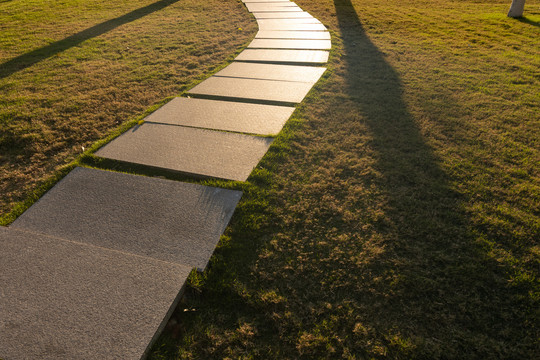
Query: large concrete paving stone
284, 56
290, 44
305, 35
309, 74
189, 150
161, 219
306, 20
271, 4
292, 26
253, 89
66, 300
272, 7
282, 15
223, 115
265, 1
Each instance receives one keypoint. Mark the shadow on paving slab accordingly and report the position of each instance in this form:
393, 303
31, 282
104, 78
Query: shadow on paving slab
439, 290
26, 60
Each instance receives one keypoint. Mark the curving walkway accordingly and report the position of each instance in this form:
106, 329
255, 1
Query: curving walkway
95, 268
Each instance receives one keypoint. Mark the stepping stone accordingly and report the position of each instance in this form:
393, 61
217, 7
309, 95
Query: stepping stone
223, 115
278, 22
272, 7
265, 1
292, 27
161, 219
271, 4
284, 56
65, 300
290, 44
282, 15
306, 35
189, 150
309, 74
263, 90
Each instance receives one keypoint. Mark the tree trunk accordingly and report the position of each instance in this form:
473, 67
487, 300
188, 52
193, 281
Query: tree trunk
516, 9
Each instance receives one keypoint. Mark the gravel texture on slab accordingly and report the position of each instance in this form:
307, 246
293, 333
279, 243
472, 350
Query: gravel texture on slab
290, 44
66, 300
304, 35
223, 115
162, 219
284, 56
253, 89
308, 74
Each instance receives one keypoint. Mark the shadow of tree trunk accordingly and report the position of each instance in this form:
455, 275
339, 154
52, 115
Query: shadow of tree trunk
439, 289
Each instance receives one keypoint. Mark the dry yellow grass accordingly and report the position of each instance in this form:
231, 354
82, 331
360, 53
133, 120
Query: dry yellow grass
397, 215
72, 71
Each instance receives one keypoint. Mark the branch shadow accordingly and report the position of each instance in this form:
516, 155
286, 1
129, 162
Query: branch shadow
26, 60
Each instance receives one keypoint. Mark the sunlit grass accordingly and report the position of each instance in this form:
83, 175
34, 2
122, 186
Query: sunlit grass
71, 72
397, 214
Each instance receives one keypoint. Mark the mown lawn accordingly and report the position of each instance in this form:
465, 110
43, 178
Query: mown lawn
397, 215
72, 71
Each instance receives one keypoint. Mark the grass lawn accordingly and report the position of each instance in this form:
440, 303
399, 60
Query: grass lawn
396, 216
72, 71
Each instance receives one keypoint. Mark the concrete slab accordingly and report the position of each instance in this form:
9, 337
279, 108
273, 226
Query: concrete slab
284, 56
305, 35
161, 219
290, 44
309, 74
263, 90
265, 1
193, 151
272, 7
308, 20
271, 3
66, 300
223, 115
282, 15
292, 27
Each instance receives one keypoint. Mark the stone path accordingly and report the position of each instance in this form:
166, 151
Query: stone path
96, 266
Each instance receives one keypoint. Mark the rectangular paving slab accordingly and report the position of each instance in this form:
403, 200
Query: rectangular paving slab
307, 35
290, 44
309, 74
66, 300
307, 20
161, 219
292, 27
223, 115
189, 150
284, 56
252, 89
271, 4
282, 15
272, 7
265, 1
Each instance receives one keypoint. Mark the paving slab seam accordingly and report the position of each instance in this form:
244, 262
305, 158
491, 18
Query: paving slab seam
91, 245
241, 100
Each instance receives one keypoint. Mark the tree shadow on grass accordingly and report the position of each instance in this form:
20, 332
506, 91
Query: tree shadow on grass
26, 60
440, 293
525, 20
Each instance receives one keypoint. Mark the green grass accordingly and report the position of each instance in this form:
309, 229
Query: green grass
397, 214
72, 72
